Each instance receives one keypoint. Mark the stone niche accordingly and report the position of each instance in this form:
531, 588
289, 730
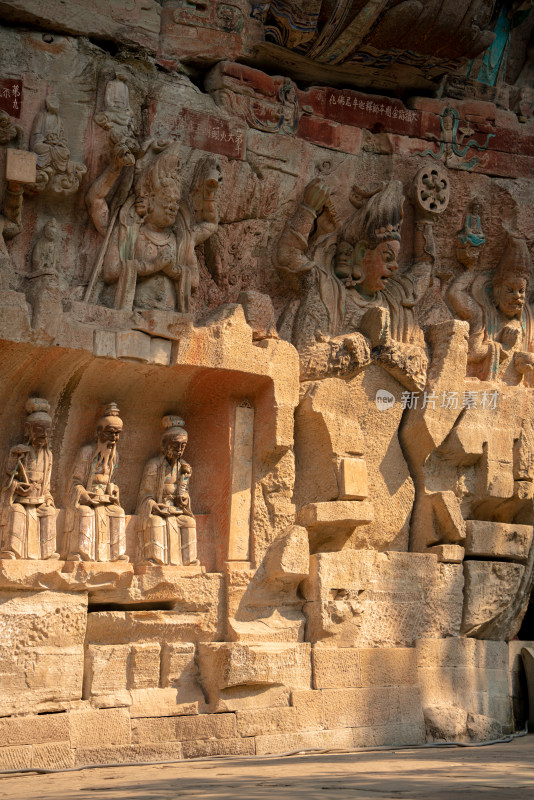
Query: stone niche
329, 290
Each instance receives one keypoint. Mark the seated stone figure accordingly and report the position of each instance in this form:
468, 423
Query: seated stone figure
166, 525
28, 513
95, 522
501, 323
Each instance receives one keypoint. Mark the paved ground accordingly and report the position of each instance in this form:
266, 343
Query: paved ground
497, 772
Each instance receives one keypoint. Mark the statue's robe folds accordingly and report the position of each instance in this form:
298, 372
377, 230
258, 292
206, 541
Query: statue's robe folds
172, 538
28, 522
135, 255
96, 533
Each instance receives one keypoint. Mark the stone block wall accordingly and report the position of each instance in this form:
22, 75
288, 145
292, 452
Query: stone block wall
266, 358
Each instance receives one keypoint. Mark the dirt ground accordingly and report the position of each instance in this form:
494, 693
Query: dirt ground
496, 772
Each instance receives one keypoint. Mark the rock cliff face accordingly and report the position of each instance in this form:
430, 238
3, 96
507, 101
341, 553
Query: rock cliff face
266, 375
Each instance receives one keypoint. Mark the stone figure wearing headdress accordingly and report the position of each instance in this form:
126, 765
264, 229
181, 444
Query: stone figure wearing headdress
48, 141
167, 527
28, 513
150, 235
346, 273
501, 323
95, 522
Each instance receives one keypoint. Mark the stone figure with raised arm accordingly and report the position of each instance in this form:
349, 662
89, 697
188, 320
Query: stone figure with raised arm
501, 322
28, 513
166, 525
347, 274
95, 522
149, 234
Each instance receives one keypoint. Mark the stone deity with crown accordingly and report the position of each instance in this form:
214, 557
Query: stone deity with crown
150, 235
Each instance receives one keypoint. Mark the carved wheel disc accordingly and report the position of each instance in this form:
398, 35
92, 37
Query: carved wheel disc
432, 189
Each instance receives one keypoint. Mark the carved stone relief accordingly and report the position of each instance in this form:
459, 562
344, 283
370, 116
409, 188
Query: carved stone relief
167, 527
96, 525
495, 305
55, 170
149, 235
28, 511
44, 290
8, 129
370, 501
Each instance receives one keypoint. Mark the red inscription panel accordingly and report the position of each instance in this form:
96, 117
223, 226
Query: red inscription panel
213, 134
11, 96
363, 111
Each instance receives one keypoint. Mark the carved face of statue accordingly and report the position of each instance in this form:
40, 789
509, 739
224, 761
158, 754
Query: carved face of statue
344, 260
109, 434
447, 122
52, 104
164, 208
173, 445
376, 265
39, 433
510, 295
50, 230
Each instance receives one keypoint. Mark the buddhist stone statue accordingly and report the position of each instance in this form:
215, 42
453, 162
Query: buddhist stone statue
150, 237
348, 272
55, 170
95, 524
28, 513
501, 324
117, 117
44, 291
167, 527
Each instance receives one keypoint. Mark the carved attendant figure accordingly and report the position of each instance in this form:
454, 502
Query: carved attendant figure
28, 514
167, 527
95, 522
501, 323
150, 240
117, 117
48, 141
44, 290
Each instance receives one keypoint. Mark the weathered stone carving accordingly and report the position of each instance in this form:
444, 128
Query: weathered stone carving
500, 320
55, 170
149, 235
471, 238
10, 226
117, 117
349, 280
167, 527
28, 513
44, 292
8, 129
96, 525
